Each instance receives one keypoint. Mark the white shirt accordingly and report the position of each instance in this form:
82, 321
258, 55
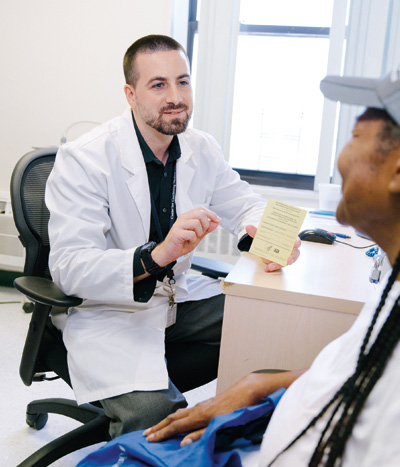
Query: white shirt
375, 437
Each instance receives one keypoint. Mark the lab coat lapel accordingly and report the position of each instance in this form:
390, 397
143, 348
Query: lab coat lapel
139, 189
132, 161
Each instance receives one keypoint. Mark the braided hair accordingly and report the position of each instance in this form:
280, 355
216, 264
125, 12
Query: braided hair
349, 400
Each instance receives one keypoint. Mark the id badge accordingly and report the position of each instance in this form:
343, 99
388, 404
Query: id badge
172, 306
171, 314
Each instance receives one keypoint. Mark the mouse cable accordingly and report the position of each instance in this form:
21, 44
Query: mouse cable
358, 247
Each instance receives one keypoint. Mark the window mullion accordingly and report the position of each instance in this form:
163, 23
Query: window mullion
392, 41
335, 60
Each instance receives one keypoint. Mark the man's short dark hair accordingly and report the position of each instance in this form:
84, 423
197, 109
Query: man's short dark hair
146, 44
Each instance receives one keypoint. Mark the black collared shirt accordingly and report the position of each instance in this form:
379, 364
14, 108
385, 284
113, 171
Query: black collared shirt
160, 182
160, 179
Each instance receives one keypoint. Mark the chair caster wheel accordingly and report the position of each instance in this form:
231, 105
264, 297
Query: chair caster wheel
37, 421
28, 307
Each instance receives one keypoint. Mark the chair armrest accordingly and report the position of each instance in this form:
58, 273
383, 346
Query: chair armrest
211, 267
45, 295
44, 291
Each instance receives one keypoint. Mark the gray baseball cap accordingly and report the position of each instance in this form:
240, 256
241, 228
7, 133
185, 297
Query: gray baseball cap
383, 93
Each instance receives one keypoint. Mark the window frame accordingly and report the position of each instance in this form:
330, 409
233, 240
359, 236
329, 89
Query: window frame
261, 177
372, 48
193, 26
270, 178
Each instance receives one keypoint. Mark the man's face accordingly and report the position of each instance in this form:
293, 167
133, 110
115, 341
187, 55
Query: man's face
364, 172
162, 98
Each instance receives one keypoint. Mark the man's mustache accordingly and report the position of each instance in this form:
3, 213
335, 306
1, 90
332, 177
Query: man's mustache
174, 107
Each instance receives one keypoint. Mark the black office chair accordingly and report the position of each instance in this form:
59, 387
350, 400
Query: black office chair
189, 365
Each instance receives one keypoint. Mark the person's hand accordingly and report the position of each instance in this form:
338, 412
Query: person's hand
270, 266
198, 417
185, 234
250, 390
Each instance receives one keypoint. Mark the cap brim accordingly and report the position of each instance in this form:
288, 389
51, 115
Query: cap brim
349, 90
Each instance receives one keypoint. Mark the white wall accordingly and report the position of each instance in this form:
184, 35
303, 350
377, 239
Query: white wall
61, 62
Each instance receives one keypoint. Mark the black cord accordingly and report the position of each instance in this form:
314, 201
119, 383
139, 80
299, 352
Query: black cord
358, 247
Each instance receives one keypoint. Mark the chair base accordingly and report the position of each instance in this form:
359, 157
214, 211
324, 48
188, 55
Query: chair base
94, 429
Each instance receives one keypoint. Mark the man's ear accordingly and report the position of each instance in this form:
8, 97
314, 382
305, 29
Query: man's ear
394, 184
130, 94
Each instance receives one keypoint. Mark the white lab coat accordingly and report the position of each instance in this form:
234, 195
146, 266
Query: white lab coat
99, 202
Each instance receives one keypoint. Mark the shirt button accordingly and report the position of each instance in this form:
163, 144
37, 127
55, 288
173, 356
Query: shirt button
164, 210
165, 174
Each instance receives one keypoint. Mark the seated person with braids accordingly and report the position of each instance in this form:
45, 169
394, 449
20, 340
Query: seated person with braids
345, 409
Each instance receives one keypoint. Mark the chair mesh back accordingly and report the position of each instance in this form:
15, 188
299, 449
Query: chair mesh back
36, 214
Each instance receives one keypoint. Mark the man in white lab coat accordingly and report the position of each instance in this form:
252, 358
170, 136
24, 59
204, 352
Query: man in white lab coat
129, 202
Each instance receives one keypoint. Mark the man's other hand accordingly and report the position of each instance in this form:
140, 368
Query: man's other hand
270, 266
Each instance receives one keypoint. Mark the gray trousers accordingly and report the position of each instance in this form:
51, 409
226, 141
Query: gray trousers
196, 321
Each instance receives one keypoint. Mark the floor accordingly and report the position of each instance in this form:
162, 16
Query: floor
17, 440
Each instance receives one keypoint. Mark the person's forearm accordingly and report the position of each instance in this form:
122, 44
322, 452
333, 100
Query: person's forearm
255, 387
262, 385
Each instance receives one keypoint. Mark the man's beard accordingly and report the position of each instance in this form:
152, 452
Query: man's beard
172, 127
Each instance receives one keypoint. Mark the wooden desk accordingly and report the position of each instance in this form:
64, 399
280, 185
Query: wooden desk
283, 319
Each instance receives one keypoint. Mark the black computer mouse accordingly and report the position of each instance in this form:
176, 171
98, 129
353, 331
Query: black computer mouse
317, 236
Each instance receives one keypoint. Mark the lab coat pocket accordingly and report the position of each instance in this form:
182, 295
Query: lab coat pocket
154, 317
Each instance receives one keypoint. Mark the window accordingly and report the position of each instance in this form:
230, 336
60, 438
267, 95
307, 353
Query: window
274, 122
282, 55
257, 66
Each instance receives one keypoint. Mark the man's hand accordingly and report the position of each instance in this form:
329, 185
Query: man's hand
185, 234
270, 265
250, 390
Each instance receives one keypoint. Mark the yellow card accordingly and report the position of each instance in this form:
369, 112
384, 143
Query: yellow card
277, 232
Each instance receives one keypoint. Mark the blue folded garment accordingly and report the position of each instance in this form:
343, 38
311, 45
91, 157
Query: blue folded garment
225, 433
